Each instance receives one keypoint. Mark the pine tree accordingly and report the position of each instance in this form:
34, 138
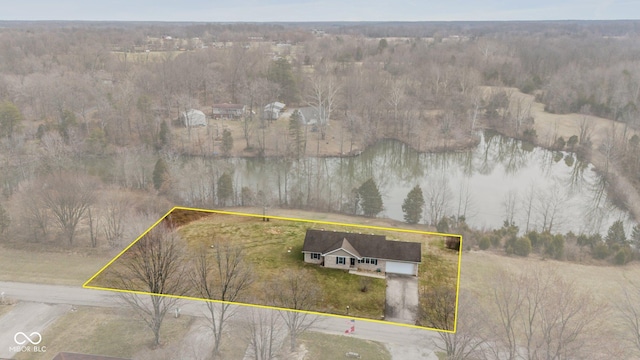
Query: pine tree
225, 188
163, 135
10, 118
616, 235
5, 220
227, 142
412, 206
160, 172
635, 236
371, 200
296, 135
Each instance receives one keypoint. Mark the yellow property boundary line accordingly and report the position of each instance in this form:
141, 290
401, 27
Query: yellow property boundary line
455, 316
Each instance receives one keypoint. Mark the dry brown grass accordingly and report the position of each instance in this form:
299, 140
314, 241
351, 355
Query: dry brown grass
111, 332
603, 282
59, 268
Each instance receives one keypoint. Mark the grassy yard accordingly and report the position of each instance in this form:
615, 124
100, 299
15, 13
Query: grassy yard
110, 332
60, 268
325, 346
274, 248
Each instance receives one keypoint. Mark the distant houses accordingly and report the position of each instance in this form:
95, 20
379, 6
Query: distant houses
228, 111
193, 118
311, 116
272, 111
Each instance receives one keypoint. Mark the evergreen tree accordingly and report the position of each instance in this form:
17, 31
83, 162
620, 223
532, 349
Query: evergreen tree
635, 236
10, 118
227, 142
615, 235
4, 220
225, 188
160, 172
163, 135
370, 198
412, 206
296, 135
280, 72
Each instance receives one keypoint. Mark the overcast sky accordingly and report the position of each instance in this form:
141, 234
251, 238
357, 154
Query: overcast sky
318, 10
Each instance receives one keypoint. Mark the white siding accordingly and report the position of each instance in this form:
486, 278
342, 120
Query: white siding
401, 268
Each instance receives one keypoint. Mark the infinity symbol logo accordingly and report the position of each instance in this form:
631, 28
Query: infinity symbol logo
27, 338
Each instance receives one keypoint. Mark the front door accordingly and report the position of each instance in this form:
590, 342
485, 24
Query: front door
353, 262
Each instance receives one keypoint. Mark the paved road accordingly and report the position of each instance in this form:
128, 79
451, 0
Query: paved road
70, 295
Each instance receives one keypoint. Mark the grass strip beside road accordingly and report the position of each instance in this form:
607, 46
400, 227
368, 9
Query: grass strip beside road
56, 268
326, 346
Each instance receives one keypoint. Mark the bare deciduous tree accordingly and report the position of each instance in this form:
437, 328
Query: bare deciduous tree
541, 315
225, 276
68, 197
322, 98
153, 265
115, 213
628, 313
468, 340
296, 291
437, 200
437, 307
265, 332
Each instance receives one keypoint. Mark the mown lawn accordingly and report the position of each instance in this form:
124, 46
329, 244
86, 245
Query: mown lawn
324, 346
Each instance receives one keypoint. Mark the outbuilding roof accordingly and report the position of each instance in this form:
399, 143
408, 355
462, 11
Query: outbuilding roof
361, 245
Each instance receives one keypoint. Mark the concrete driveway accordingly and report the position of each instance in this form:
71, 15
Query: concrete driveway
401, 300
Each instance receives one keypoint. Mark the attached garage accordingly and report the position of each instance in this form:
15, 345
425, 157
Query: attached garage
400, 268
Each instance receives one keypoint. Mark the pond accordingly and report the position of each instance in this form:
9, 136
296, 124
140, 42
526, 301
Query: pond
501, 178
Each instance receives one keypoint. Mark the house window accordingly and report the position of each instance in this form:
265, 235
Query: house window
315, 256
340, 260
368, 261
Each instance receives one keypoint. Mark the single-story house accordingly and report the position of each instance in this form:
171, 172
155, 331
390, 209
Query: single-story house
355, 251
229, 111
310, 116
193, 117
272, 111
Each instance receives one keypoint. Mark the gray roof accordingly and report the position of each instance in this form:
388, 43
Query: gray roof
364, 245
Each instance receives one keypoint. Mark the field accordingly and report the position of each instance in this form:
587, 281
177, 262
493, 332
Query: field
274, 248
602, 281
58, 268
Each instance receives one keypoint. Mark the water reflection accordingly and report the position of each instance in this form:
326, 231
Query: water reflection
547, 189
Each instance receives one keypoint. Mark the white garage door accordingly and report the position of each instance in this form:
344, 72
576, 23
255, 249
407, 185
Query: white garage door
399, 268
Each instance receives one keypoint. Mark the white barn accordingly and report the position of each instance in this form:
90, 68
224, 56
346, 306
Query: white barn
194, 118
